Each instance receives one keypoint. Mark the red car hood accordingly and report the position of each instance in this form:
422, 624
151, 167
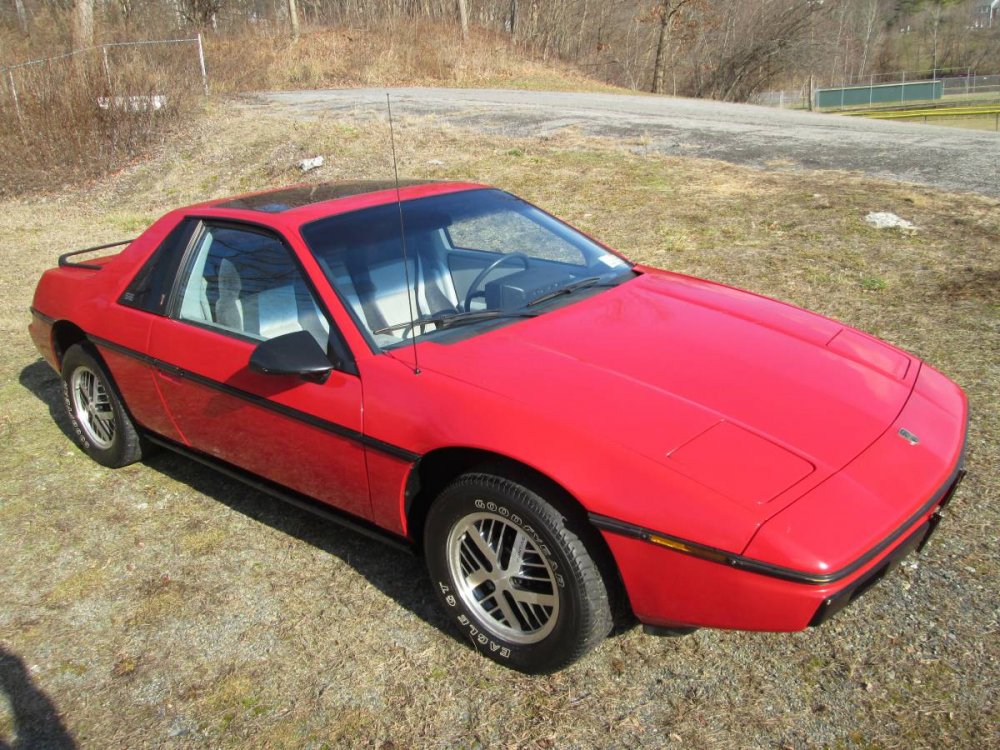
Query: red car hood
756, 399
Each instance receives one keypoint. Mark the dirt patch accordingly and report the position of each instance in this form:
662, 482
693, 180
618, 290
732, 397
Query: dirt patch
163, 605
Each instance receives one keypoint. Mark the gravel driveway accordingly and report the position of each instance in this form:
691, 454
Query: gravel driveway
949, 158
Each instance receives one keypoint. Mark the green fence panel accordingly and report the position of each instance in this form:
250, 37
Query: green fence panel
883, 93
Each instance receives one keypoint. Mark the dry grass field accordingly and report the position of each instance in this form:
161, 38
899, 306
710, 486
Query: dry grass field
165, 606
53, 133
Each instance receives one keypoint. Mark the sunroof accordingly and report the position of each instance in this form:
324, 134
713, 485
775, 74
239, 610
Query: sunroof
304, 195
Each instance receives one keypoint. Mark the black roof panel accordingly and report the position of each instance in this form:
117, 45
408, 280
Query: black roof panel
277, 201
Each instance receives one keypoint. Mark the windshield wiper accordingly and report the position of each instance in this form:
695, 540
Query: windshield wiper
446, 320
568, 289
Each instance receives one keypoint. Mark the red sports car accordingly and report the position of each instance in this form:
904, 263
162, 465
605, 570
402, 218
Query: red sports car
560, 432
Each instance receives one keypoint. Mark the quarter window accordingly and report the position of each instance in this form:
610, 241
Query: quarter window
246, 283
150, 288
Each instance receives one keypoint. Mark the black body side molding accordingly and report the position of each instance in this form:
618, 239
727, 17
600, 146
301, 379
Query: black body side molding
290, 496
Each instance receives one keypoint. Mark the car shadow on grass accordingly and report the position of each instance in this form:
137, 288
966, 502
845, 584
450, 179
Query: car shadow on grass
44, 383
36, 722
396, 574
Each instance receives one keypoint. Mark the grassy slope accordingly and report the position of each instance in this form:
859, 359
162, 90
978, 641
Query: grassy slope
403, 53
161, 604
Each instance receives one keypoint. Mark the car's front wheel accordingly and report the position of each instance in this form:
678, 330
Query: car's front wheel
515, 574
102, 426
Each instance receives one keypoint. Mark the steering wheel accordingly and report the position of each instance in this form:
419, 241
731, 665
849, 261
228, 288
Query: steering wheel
481, 277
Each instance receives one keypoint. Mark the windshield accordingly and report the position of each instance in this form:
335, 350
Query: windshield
473, 258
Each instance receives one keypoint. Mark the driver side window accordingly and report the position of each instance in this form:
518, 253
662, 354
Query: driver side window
245, 283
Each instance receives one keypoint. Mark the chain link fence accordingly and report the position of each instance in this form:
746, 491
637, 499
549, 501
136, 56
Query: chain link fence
90, 111
955, 85
32, 78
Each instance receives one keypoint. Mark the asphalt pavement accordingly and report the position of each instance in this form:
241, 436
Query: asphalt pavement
949, 158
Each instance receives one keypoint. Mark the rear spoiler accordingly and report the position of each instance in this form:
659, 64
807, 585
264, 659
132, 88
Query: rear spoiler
64, 259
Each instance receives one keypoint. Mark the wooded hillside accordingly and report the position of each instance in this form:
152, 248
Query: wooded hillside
722, 49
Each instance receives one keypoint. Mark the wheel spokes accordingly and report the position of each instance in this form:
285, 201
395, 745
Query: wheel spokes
502, 573
477, 578
92, 390
509, 618
531, 597
476, 540
516, 558
100, 426
92, 404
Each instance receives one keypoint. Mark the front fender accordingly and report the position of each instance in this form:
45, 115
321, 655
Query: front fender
428, 411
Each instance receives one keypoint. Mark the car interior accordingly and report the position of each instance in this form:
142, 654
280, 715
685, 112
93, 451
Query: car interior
246, 283
364, 262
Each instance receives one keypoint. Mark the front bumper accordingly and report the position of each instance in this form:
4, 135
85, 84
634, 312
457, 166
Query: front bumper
671, 589
916, 541
838, 540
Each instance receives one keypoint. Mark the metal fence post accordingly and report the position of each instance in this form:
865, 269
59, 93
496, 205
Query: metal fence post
871, 91
201, 62
13, 91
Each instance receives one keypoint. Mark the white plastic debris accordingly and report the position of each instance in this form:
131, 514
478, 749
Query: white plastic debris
308, 164
887, 220
435, 162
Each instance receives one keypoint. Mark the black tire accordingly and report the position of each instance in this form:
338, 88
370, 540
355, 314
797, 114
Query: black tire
100, 422
552, 566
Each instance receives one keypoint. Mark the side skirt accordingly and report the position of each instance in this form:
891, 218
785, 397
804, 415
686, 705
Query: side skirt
299, 500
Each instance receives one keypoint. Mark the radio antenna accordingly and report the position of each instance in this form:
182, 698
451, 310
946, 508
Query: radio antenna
402, 237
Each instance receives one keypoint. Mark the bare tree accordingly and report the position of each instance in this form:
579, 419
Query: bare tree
83, 24
937, 11
768, 39
22, 15
463, 16
666, 11
293, 18
872, 17
201, 12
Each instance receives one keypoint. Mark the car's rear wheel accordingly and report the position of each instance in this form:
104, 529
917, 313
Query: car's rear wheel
102, 426
514, 573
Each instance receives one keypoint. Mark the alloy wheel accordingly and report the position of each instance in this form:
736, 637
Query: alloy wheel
503, 577
92, 407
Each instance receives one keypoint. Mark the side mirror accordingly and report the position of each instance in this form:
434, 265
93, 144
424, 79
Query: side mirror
294, 353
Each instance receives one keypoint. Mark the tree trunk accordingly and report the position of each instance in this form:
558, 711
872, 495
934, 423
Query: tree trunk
513, 19
83, 24
934, 52
660, 65
293, 18
22, 15
463, 17
873, 15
